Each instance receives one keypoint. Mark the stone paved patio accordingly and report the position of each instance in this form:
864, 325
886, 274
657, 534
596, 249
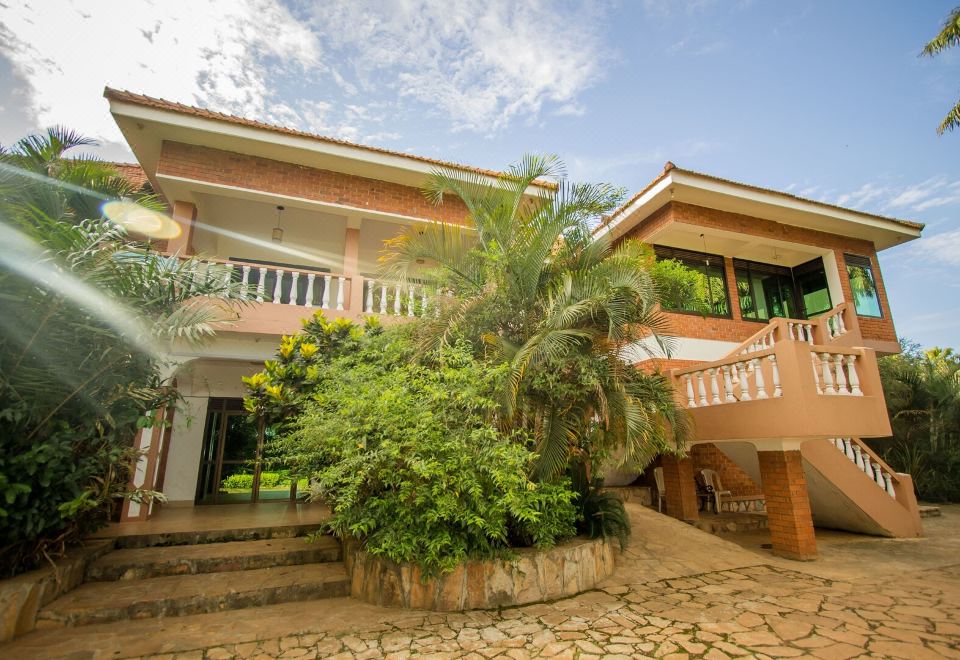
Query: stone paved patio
678, 593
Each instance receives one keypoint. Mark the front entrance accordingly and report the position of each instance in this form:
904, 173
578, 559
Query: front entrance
231, 459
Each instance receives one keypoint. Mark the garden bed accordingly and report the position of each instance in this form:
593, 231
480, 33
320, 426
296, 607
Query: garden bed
532, 576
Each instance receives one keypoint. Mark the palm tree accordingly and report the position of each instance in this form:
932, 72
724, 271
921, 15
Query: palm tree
531, 286
949, 36
87, 316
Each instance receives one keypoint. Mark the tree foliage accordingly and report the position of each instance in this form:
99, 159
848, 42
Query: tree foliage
404, 452
922, 390
530, 286
86, 314
948, 37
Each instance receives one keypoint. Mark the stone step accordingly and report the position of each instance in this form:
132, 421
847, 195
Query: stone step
178, 595
929, 511
195, 537
157, 561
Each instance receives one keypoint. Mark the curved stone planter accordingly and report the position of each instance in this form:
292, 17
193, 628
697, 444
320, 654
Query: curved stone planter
533, 576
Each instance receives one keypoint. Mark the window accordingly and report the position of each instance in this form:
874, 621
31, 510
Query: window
691, 281
811, 280
864, 287
765, 291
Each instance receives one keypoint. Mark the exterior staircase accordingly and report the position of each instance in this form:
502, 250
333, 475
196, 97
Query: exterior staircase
807, 384
142, 579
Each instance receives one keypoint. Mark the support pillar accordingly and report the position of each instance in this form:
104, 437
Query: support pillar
788, 504
681, 487
351, 267
185, 215
148, 471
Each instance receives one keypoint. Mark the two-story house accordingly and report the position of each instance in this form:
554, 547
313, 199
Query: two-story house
776, 361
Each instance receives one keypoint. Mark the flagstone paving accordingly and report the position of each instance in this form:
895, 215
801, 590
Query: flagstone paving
678, 593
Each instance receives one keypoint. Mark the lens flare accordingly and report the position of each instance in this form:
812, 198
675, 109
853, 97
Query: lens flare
139, 220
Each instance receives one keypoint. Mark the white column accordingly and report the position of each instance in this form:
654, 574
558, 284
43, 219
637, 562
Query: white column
340, 287
278, 287
245, 287
790, 331
702, 388
383, 298
758, 374
848, 450
261, 284
816, 372
714, 388
228, 275
396, 301
744, 385
368, 301
411, 301
841, 377
325, 302
827, 374
423, 301
310, 278
777, 390
888, 482
854, 377
728, 385
294, 287
859, 455
690, 401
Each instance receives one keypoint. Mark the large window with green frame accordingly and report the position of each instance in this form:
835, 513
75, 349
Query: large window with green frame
691, 282
765, 291
866, 298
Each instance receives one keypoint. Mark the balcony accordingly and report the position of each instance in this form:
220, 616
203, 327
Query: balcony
279, 298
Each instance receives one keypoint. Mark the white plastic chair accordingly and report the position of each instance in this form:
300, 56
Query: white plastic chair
712, 480
661, 489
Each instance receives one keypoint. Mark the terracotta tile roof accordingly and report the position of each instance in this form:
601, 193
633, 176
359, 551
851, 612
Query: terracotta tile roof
132, 173
162, 104
670, 167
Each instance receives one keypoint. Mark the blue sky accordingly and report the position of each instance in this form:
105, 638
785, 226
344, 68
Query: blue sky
828, 100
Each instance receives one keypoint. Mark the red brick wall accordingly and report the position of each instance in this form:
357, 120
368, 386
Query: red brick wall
273, 176
788, 505
732, 477
736, 329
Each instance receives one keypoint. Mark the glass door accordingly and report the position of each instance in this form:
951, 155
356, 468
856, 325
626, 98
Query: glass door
231, 459
813, 290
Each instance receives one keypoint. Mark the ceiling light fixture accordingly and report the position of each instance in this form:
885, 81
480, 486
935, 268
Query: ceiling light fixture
277, 231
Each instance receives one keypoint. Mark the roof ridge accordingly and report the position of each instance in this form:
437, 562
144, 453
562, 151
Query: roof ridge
176, 106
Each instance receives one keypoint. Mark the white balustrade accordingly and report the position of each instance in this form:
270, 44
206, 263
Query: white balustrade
404, 303
730, 383
245, 287
857, 454
838, 372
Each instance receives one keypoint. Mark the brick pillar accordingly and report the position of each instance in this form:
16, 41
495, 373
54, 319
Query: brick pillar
678, 480
185, 215
788, 505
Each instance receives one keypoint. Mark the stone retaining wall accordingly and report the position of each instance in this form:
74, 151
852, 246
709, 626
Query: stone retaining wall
533, 576
22, 596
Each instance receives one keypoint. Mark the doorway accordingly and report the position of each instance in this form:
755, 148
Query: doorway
231, 459
767, 291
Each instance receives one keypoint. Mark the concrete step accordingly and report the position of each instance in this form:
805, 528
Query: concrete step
195, 537
157, 561
178, 595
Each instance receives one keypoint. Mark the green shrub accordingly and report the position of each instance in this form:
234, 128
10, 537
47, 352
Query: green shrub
242, 481
405, 454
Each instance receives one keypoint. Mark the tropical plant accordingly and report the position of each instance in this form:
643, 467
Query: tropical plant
948, 37
87, 313
531, 286
922, 390
404, 453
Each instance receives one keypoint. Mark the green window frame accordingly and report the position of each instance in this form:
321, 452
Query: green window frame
716, 295
863, 285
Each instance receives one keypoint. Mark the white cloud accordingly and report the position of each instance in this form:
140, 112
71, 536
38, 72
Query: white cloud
943, 248
330, 67
480, 64
221, 54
